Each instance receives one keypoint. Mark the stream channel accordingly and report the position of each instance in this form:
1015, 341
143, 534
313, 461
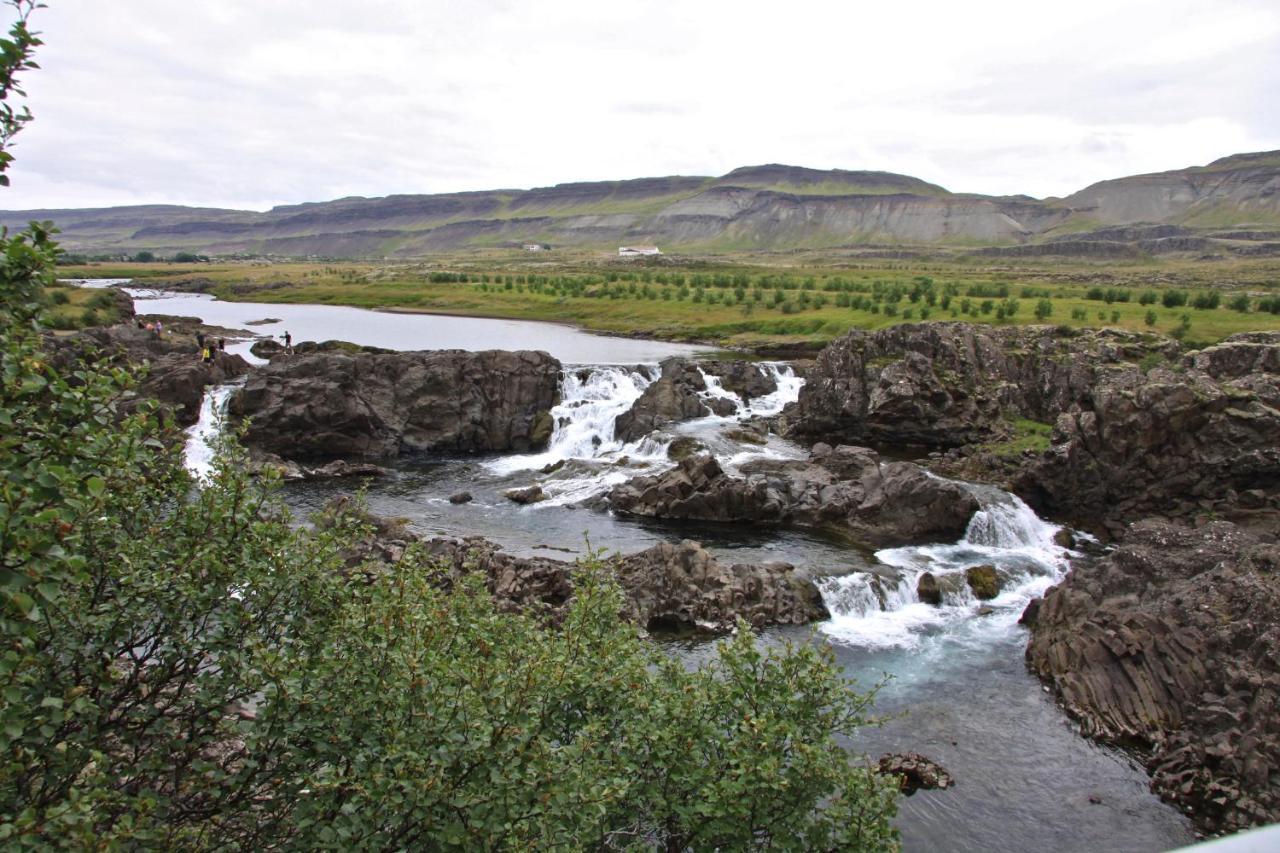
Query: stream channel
958, 689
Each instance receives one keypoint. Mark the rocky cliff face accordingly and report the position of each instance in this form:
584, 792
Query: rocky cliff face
1200, 435
380, 405
768, 207
1170, 644
1246, 183
846, 490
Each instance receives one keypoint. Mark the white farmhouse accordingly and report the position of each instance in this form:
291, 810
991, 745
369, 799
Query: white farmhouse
637, 251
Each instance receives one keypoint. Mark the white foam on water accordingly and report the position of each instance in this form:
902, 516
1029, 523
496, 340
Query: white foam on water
789, 386
885, 612
591, 399
198, 452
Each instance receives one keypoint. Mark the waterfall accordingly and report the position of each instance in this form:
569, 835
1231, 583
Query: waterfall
788, 391
589, 460
591, 399
198, 452
883, 610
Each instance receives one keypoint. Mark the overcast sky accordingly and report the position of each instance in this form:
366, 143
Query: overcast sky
252, 103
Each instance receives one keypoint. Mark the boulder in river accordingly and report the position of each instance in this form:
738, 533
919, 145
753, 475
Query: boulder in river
529, 495
380, 405
915, 772
673, 397
983, 580
848, 490
928, 590
746, 379
1169, 644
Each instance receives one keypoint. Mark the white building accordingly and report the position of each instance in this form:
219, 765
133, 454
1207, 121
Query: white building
535, 247
637, 251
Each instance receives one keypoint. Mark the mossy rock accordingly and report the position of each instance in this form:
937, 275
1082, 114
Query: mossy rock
983, 580
540, 431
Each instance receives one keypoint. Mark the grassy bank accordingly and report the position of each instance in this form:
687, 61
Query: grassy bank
764, 299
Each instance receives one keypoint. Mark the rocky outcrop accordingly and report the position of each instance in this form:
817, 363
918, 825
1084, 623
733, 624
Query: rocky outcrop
671, 586
848, 490
378, 406
673, 397
1195, 437
1170, 644
175, 374
915, 772
949, 384
259, 461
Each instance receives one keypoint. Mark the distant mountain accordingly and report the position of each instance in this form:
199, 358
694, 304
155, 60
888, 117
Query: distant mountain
1231, 205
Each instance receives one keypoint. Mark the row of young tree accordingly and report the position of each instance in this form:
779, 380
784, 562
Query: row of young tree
790, 294
183, 667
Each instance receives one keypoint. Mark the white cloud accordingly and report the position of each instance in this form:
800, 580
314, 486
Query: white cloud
248, 104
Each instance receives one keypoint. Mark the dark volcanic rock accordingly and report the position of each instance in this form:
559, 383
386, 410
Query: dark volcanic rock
673, 397
915, 771
1170, 644
669, 586
949, 384
461, 498
379, 405
335, 470
743, 378
1200, 437
847, 490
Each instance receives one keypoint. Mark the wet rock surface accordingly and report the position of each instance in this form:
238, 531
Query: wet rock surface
915, 772
1170, 644
849, 490
377, 406
673, 397
293, 471
743, 378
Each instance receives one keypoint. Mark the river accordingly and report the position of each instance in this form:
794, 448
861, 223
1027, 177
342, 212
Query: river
958, 689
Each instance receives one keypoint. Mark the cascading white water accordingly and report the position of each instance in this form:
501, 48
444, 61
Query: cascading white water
592, 398
198, 452
880, 611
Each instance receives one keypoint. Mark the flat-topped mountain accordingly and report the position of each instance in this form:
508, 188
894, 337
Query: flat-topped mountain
1231, 205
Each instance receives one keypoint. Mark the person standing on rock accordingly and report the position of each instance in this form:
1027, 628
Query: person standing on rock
208, 355
222, 344
288, 342
200, 340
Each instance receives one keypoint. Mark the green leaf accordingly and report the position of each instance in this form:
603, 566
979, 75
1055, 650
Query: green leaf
96, 486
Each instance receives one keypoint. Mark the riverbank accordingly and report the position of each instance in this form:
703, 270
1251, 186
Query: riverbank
760, 302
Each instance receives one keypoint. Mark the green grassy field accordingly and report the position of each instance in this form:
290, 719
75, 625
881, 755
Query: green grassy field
763, 299
67, 308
